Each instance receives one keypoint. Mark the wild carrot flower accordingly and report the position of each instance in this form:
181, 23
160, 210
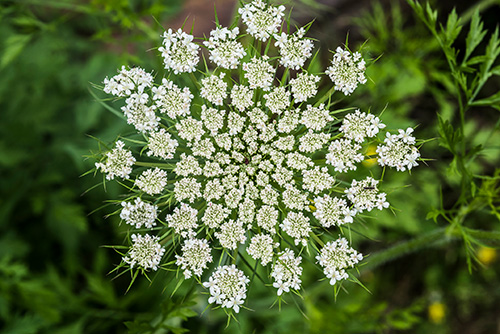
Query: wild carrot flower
236, 164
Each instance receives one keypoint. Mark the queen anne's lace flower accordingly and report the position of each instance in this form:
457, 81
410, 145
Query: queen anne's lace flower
152, 181
172, 100
261, 22
261, 248
183, 220
259, 73
161, 144
231, 234
399, 151
294, 49
297, 226
228, 287
127, 81
140, 115
347, 70
225, 51
316, 118
140, 213
364, 195
145, 253
245, 161
179, 52
119, 162
286, 272
332, 211
304, 86
277, 100
214, 89
343, 154
241, 97
195, 256
335, 257
359, 125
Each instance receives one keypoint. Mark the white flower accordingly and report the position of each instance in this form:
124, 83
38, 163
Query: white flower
161, 144
215, 215
399, 151
357, 126
316, 118
332, 211
228, 287
225, 51
294, 49
364, 195
118, 162
311, 141
214, 89
261, 248
231, 234
286, 272
297, 226
145, 253
179, 52
304, 86
346, 71
335, 257
288, 121
152, 181
140, 213
259, 73
183, 220
128, 81
343, 154
277, 100
172, 100
195, 256
241, 97
294, 199
267, 218
187, 188
316, 180
141, 116
261, 22
190, 129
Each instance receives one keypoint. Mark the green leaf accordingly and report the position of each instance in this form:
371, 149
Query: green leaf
14, 45
453, 28
489, 101
475, 35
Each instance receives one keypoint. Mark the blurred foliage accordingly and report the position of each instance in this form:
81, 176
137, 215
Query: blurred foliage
436, 72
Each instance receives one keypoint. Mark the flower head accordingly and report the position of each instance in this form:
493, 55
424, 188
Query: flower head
195, 256
140, 213
346, 71
335, 257
145, 252
118, 162
261, 22
179, 52
228, 287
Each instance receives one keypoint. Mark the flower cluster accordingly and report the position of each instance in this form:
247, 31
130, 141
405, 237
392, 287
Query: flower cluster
261, 22
399, 151
228, 287
335, 257
145, 252
225, 51
118, 162
179, 52
347, 70
239, 162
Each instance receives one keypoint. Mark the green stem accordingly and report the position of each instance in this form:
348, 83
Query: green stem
154, 164
438, 236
